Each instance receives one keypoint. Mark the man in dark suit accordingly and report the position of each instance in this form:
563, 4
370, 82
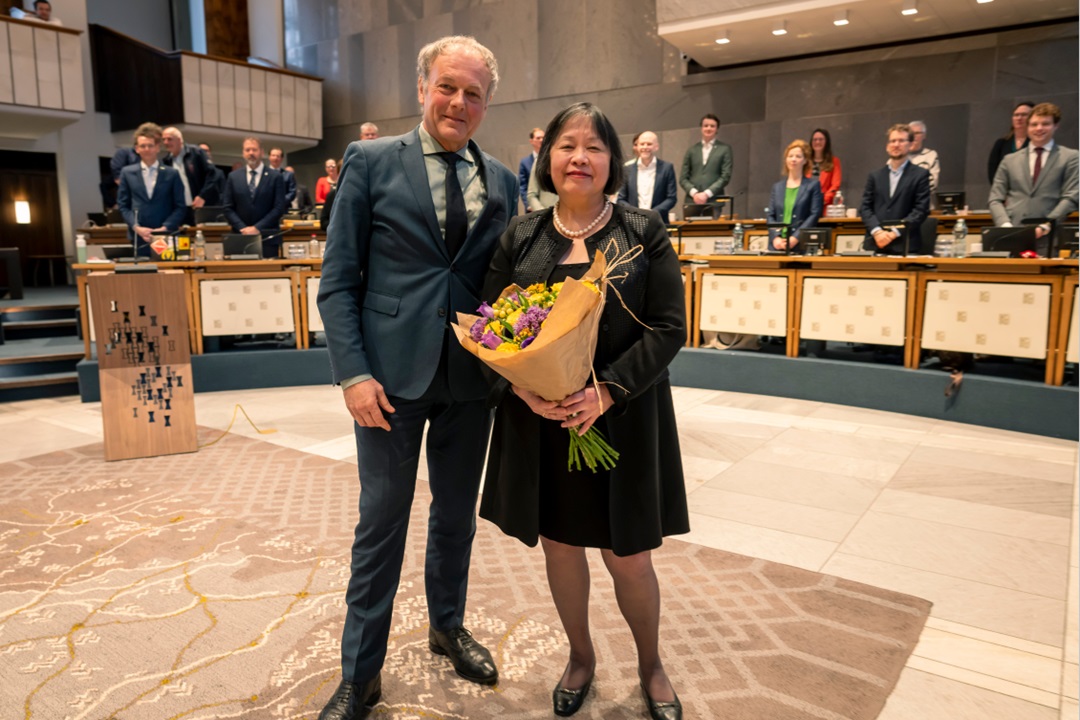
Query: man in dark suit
190, 161
150, 197
650, 183
255, 198
302, 202
896, 198
706, 167
214, 188
1039, 181
536, 139
277, 161
411, 235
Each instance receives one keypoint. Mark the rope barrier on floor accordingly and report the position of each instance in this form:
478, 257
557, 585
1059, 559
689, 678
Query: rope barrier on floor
251, 422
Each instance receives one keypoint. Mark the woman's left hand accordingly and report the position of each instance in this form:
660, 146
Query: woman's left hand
585, 407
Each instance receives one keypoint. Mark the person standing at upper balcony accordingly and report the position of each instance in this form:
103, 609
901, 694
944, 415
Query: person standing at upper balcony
43, 12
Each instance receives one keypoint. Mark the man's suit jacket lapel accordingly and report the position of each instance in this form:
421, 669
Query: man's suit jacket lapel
264, 185
138, 185
631, 185
799, 196
412, 160
1048, 162
490, 189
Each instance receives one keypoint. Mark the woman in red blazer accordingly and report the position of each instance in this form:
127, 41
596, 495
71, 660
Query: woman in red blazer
826, 166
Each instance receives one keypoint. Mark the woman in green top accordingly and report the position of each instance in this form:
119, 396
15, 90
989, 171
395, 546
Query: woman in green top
796, 201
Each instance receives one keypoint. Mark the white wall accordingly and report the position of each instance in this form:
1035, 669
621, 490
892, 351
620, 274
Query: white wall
266, 27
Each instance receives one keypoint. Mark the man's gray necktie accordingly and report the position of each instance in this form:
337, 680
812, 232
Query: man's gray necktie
251, 184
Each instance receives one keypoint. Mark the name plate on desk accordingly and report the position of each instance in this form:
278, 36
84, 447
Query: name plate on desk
702, 244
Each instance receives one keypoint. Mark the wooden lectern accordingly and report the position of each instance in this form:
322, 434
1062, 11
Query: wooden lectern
144, 364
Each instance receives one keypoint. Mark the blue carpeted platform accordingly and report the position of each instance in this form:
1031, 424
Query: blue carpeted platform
1023, 406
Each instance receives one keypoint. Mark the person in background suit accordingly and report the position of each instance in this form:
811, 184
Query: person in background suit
536, 139
650, 181
899, 193
369, 131
1015, 139
706, 167
413, 230
194, 168
277, 160
214, 187
537, 198
302, 202
255, 198
151, 197
797, 200
1039, 181
122, 158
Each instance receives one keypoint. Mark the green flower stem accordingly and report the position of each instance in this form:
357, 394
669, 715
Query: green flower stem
592, 448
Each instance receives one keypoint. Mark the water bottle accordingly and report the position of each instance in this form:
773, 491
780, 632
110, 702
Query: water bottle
737, 240
959, 233
313, 247
943, 246
200, 247
838, 198
80, 248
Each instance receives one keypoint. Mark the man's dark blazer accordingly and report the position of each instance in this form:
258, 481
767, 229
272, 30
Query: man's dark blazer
1013, 198
121, 159
290, 187
388, 284
524, 170
263, 211
304, 204
910, 204
664, 194
713, 175
165, 209
196, 167
809, 204
213, 192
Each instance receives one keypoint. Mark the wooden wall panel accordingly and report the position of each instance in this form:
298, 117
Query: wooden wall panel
192, 89
72, 75
47, 55
23, 72
227, 33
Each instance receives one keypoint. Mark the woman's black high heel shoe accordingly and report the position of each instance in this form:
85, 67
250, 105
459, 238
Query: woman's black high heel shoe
662, 710
567, 702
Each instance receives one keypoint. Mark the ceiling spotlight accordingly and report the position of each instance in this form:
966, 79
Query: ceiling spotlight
910, 8
983, 2
724, 38
841, 18
780, 28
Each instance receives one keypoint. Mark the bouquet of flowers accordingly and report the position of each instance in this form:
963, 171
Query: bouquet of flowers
543, 339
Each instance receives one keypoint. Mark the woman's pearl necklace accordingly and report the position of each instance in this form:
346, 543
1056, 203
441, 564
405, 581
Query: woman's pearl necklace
585, 230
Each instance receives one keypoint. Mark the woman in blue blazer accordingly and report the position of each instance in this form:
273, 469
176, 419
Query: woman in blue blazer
796, 200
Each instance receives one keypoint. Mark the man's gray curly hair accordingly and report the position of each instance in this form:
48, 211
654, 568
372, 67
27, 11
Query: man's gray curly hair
433, 50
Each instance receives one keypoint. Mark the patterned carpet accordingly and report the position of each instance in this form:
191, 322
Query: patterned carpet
210, 585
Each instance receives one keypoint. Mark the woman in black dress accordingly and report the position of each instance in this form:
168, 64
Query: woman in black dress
529, 492
1016, 139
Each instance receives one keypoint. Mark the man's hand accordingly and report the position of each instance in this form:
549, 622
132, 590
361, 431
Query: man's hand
700, 198
780, 243
1040, 230
884, 237
249, 230
366, 402
143, 232
198, 202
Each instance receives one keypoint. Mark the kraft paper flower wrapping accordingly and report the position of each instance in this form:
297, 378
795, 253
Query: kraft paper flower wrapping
559, 362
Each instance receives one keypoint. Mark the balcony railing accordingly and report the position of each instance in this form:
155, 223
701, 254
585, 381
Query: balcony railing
40, 66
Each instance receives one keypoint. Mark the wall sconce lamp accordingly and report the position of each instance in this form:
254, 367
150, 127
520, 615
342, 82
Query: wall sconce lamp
22, 212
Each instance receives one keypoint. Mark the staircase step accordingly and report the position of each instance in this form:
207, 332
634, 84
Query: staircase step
42, 358
14, 325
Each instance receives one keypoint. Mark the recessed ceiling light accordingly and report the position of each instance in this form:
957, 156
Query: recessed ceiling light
841, 18
983, 2
724, 39
780, 28
910, 8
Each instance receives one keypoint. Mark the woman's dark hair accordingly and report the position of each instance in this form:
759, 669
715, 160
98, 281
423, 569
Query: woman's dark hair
826, 163
604, 130
1012, 133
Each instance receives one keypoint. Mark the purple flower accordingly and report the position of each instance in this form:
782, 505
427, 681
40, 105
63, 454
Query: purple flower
491, 340
477, 329
531, 320
486, 311
527, 341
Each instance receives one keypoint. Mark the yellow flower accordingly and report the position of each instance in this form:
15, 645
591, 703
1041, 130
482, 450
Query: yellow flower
514, 317
591, 285
508, 348
556, 288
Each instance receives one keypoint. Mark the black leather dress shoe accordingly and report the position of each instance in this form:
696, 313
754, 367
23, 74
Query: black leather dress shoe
353, 701
471, 660
566, 702
662, 710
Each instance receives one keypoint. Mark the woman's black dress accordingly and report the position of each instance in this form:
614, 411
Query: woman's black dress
529, 490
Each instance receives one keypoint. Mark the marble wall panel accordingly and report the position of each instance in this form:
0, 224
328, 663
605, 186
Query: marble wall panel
304, 58
957, 77
208, 79
359, 17
288, 104
23, 72
258, 100
333, 65
1036, 69
242, 82
191, 89
311, 21
509, 30
7, 87
227, 95
380, 69
302, 103
767, 140
402, 12
273, 103
72, 76
315, 94
47, 57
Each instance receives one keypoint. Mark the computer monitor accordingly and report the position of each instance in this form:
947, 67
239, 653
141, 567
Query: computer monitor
949, 202
237, 246
115, 217
720, 206
210, 214
116, 252
1013, 240
815, 241
1067, 241
98, 219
